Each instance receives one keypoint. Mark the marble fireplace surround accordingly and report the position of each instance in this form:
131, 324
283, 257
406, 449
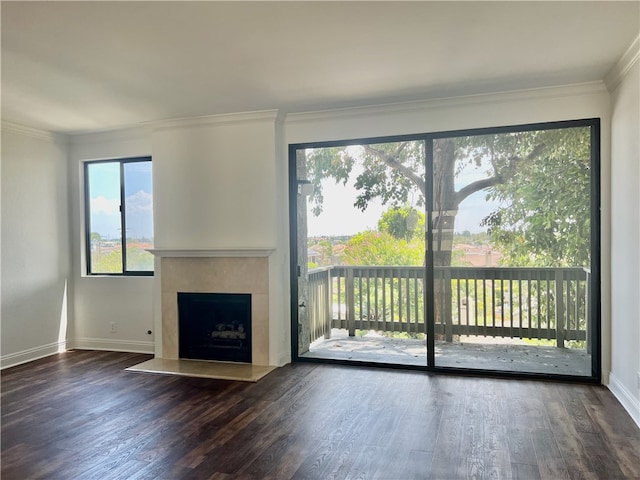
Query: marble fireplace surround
243, 270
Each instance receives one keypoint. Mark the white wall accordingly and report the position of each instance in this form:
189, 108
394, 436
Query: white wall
625, 240
541, 105
100, 300
215, 182
35, 245
215, 186
225, 185
221, 182
218, 185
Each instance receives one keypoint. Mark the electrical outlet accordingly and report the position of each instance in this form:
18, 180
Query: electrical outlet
114, 327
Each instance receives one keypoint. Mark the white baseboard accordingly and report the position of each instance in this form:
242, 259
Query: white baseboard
31, 354
112, 345
626, 398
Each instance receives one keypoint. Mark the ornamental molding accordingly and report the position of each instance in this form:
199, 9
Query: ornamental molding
31, 132
232, 252
630, 57
550, 92
211, 120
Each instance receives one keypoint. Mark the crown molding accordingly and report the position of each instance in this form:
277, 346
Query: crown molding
30, 131
212, 252
563, 91
209, 120
109, 136
629, 58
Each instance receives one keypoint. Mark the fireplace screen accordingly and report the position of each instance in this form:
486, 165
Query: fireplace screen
215, 326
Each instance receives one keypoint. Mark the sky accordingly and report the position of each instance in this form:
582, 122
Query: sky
104, 184
339, 216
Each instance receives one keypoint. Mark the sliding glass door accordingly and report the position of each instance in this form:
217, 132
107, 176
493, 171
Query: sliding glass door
361, 252
472, 250
512, 250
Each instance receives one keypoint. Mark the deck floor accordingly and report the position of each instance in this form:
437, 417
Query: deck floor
511, 355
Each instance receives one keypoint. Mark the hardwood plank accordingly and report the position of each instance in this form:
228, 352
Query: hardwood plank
618, 429
568, 438
573, 402
370, 463
80, 415
497, 459
521, 451
524, 471
551, 465
281, 459
450, 460
414, 464
601, 458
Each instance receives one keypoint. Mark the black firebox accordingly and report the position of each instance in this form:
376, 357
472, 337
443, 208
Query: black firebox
215, 326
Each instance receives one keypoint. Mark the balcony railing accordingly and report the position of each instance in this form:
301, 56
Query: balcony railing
538, 303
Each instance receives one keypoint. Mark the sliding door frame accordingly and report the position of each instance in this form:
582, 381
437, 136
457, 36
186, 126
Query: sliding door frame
428, 271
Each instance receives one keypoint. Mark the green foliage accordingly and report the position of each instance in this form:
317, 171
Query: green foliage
396, 335
389, 171
107, 262
330, 162
544, 219
403, 223
138, 259
381, 248
392, 172
477, 238
405, 335
458, 259
541, 178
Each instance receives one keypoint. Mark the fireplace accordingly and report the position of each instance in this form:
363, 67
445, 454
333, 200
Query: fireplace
203, 278
215, 326
240, 271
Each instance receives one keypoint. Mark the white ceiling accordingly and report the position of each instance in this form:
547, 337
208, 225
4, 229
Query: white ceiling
86, 66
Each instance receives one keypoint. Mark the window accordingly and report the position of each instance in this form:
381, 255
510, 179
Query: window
119, 216
474, 250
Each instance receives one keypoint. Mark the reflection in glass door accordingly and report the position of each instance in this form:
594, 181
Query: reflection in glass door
511, 226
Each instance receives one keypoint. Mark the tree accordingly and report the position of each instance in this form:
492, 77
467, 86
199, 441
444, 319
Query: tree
324, 247
544, 219
403, 222
382, 248
374, 248
96, 240
534, 174
107, 262
543, 215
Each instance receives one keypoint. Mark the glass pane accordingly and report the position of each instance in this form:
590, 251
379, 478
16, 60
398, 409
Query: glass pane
361, 253
511, 240
138, 192
104, 217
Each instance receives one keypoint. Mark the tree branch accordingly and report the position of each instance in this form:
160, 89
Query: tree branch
476, 187
497, 178
392, 162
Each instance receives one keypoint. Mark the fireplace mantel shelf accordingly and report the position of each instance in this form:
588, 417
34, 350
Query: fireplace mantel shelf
213, 252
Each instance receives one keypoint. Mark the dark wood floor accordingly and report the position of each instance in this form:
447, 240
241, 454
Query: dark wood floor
79, 415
